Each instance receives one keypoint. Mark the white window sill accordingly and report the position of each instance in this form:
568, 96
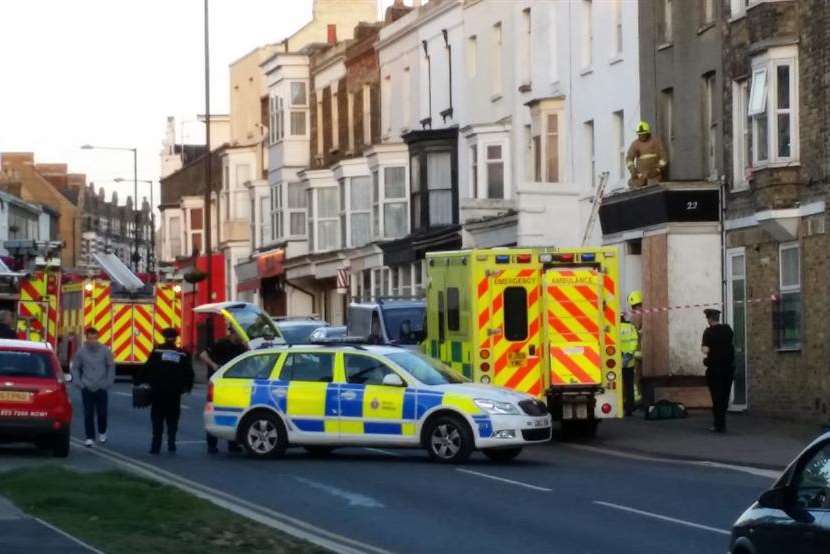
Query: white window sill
787, 349
665, 46
586, 71
775, 165
615, 59
705, 27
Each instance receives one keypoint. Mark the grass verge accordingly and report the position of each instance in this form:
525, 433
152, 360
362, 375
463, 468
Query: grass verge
123, 514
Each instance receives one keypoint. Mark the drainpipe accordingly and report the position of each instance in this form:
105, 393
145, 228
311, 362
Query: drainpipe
448, 112
722, 221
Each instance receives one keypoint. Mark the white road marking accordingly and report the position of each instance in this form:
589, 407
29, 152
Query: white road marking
68, 536
353, 498
757, 471
503, 480
662, 517
255, 512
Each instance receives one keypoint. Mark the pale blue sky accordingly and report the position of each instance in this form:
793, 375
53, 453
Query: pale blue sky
108, 72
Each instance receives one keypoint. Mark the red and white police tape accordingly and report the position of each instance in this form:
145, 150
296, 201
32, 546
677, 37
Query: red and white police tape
770, 298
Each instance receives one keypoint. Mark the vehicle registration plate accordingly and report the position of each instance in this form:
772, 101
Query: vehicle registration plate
15, 396
517, 358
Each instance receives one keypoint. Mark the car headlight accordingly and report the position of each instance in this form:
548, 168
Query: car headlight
495, 407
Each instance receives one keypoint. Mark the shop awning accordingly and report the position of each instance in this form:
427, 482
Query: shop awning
271, 264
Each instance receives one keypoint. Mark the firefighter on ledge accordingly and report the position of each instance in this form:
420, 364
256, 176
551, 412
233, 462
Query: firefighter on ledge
646, 158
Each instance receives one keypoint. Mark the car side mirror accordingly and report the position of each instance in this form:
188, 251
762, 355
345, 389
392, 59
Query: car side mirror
393, 380
67, 378
776, 499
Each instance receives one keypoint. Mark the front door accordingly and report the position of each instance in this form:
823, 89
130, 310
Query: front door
736, 318
573, 326
371, 412
515, 329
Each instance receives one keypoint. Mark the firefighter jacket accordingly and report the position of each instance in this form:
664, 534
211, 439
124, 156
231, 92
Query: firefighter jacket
168, 371
645, 160
629, 344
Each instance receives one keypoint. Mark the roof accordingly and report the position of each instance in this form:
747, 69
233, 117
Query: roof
15, 344
391, 303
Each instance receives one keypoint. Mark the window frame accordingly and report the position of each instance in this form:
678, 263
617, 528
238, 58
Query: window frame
289, 355
453, 310
512, 312
540, 136
383, 365
227, 374
786, 290
767, 64
316, 219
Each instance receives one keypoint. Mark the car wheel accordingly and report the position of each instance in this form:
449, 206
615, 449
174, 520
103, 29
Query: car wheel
60, 445
263, 435
449, 440
502, 454
319, 451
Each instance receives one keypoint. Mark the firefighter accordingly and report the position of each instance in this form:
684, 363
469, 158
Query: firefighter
169, 372
646, 158
7, 325
719, 351
635, 303
630, 349
224, 350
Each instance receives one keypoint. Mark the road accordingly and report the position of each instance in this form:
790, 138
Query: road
554, 498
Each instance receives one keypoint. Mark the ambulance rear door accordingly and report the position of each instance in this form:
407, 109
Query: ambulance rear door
574, 327
513, 321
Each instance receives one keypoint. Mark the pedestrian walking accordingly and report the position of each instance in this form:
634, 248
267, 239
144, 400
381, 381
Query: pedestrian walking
718, 347
169, 372
214, 357
93, 371
7, 325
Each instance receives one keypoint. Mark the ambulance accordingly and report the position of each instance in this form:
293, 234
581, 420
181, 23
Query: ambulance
542, 321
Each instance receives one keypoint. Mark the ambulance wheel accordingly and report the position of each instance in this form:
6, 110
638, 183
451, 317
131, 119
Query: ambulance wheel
319, 451
263, 435
60, 445
502, 454
449, 440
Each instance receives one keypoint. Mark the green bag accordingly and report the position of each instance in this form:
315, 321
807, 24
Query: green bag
666, 409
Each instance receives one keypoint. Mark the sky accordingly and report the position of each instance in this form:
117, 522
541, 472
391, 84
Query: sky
109, 72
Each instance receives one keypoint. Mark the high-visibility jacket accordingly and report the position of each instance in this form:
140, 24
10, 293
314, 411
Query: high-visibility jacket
629, 344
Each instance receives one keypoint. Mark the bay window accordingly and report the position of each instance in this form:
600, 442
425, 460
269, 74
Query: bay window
264, 220
773, 107
389, 202
275, 119
323, 222
355, 211
299, 109
297, 204
741, 135
276, 212
439, 188
546, 142
495, 171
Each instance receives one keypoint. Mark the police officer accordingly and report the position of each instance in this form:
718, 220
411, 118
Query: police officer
221, 352
169, 372
630, 349
717, 345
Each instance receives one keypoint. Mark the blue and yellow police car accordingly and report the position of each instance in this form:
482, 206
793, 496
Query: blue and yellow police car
325, 396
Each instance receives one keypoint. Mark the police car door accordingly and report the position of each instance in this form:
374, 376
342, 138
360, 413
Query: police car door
310, 397
371, 412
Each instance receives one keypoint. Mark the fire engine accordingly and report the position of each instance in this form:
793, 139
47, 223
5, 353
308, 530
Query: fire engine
129, 314
542, 321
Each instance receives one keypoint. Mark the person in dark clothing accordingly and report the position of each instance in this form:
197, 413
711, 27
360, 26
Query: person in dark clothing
718, 347
7, 325
222, 351
169, 372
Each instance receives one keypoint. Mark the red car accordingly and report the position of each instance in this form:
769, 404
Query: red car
34, 402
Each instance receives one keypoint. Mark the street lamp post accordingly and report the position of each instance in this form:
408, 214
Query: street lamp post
151, 250
136, 256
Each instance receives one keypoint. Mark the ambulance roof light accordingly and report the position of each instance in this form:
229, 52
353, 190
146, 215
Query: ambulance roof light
564, 257
502, 259
545, 258
589, 257
523, 258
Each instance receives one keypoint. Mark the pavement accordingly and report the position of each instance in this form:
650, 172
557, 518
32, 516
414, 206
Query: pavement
25, 535
750, 441
638, 487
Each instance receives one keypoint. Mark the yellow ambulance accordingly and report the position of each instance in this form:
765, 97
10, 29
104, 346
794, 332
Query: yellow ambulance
543, 321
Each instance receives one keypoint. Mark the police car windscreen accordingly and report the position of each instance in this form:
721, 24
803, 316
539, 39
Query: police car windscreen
25, 364
255, 323
404, 325
298, 333
426, 370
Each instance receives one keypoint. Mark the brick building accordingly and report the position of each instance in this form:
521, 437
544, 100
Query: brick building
777, 66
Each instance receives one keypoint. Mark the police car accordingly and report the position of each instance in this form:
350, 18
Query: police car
326, 396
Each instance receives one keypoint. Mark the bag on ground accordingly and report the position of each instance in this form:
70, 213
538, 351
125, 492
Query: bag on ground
666, 409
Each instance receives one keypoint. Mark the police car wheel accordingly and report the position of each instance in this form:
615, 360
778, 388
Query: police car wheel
502, 454
263, 436
449, 440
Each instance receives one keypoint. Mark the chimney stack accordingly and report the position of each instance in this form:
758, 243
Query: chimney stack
332, 34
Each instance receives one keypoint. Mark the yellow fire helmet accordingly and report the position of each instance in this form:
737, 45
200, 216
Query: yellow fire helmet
635, 298
643, 128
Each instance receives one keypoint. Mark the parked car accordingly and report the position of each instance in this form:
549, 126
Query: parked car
325, 333
297, 330
398, 322
34, 403
794, 515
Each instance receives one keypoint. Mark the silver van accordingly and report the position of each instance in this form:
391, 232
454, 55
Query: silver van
395, 322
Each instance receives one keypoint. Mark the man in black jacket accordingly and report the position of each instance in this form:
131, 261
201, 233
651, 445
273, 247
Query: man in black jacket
717, 345
169, 372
